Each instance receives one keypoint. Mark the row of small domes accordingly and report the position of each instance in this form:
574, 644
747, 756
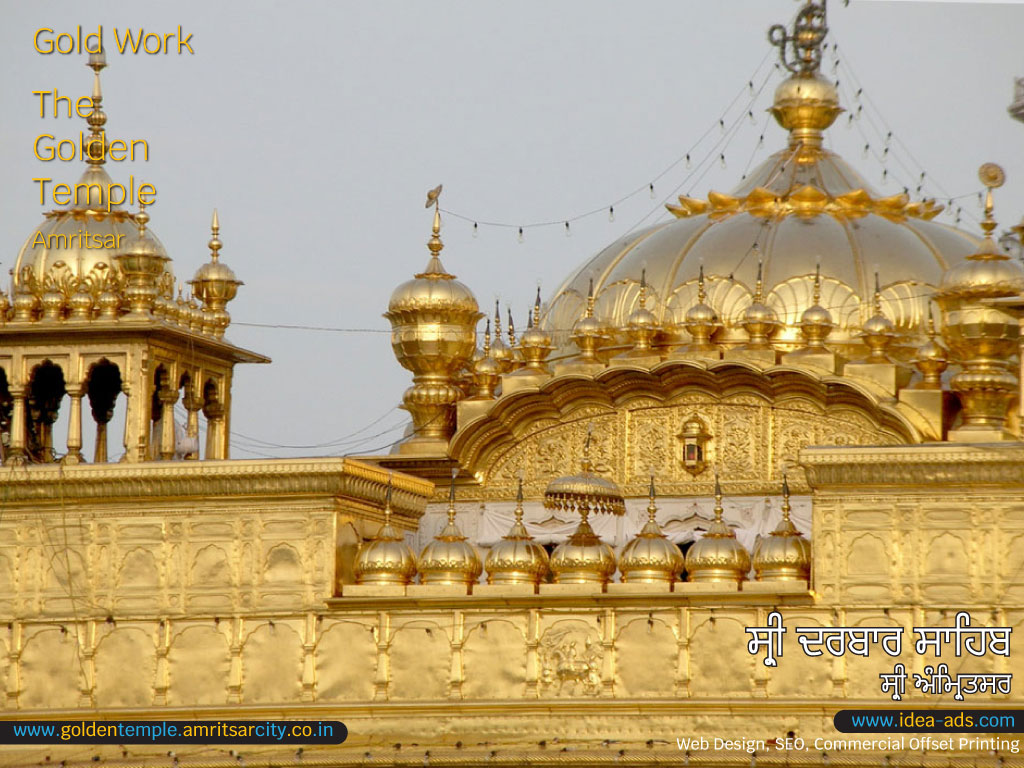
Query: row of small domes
649, 557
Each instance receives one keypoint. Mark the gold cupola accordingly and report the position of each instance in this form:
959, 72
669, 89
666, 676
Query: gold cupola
517, 558
215, 284
588, 333
386, 558
450, 559
584, 558
785, 555
642, 326
650, 557
931, 359
982, 336
501, 354
816, 321
878, 332
702, 323
486, 371
433, 334
759, 320
717, 556
535, 343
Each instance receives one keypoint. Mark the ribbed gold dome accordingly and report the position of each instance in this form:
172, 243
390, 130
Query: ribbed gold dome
718, 555
486, 372
535, 343
803, 205
450, 558
500, 352
583, 558
650, 557
517, 558
588, 332
385, 559
785, 555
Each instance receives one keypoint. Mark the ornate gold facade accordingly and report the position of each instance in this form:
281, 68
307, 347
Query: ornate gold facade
184, 584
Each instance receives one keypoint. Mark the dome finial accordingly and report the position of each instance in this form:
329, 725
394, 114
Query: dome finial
652, 508
519, 499
785, 497
215, 243
702, 294
805, 41
536, 307
96, 144
993, 177
817, 281
487, 338
451, 497
434, 267
718, 498
511, 330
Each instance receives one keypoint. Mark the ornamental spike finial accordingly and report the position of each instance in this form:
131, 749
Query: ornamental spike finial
800, 50
497, 319
785, 497
487, 338
878, 295
652, 508
519, 499
511, 330
993, 177
387, 499
451, 497
215, 243
718, 498
759, 288
141, 219
701, 293
817, 282
96, 143
536, 307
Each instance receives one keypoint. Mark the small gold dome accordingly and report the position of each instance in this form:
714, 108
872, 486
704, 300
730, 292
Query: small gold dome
502, 354
385, 559
583, 558
486, 374
535, 343
785, 555
717, 556
650, 557
450, 558
759, 320
932, 359
806, 103
517, 558
588, 332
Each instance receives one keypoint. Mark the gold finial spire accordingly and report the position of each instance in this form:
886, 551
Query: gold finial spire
817, 282
215, 243
387, 499
805, 41
96, 143
451, 498
718, 499
590, 300
878, 295
643, 288
511, 330
497, 319
993, 177
785, 497
519, 500
434, 267
652, 508
141, 219
487, 338
759, 289
536, 307
702, 294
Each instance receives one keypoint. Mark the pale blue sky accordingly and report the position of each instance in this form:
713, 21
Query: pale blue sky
317, 128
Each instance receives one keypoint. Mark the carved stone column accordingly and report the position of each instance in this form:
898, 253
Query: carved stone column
168, 397
74, 454
214, 413
193, 405
16, 451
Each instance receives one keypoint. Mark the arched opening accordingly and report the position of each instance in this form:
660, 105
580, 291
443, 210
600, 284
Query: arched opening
45, 392
162, 419
102, 388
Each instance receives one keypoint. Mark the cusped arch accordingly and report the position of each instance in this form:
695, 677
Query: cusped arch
614, 393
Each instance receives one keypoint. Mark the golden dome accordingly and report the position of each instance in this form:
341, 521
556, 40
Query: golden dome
642, 325
215, 283
931, 359
816, 321
433, 334
650, 557
588, 332
78, 243
487, 371
517, 558
982, 336
759, 320
803, 205
385, 559
717, 556
450, 558
502, 354
785, 555
535, 343
586, 492
583, 558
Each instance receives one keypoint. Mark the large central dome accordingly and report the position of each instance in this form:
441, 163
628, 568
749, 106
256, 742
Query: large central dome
802, 207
